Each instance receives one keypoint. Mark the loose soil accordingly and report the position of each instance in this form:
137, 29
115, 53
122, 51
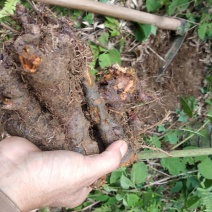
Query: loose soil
183, 77
49, 97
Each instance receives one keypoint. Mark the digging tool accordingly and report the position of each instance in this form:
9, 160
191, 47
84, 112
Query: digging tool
172, 52
116, 11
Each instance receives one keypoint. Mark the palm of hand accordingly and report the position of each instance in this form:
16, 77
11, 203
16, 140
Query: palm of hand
32, 178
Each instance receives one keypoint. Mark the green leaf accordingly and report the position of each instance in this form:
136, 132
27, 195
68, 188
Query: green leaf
115, 57
109, 188
104, 60
9, 8
209, 114
178, 187
143, 31
126, 183
191, 183
209, 31
153, 5
111, 201
182, 117
188, 160
209, 82
153, 30
95, 50
202, 29
115, 176
155, 141
112, 20
161, 128
188, 105
103, 208
190, 16
109, 58
93, 71
175, 166
205, 169
139, 173
119, 197
192, 202
89, 18
178, 5
148, 198
121, 45
75, 14
124, 202
113, 25
132, 199
99, 196
206, 198
171, 138
103, 39
200, 158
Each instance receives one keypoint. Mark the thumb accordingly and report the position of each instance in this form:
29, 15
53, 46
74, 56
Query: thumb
108, 161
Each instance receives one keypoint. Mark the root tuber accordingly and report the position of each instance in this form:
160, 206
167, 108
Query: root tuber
23, 115
52, 74
109, 130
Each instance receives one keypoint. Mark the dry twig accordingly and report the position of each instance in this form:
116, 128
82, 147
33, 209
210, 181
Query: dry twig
9, 28
156, 124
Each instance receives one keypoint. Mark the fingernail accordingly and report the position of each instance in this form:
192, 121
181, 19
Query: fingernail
123, 148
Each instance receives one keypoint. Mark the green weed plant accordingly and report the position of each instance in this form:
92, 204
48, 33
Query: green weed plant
197, 12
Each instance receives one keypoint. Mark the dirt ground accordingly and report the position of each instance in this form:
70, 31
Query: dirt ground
183, 77
50, 94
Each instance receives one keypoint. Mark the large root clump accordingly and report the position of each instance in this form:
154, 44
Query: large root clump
44, 78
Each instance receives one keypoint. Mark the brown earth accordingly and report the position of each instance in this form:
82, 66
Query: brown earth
183, 77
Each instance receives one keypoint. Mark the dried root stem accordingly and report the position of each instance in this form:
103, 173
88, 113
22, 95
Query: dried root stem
109, 130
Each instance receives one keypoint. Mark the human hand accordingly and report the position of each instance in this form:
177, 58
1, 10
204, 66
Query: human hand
33, 179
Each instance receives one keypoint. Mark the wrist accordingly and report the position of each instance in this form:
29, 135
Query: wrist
13, 199
7, 204
16, 191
